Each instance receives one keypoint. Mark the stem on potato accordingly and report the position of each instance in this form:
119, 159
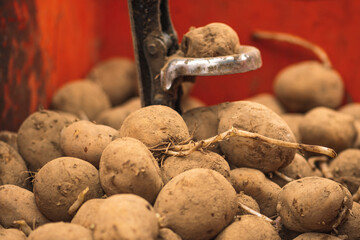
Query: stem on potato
283, 176
79, 201
24, 227
253, 212
289, 38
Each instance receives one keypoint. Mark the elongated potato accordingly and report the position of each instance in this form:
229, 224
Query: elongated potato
127, 166
61, 230
197, 204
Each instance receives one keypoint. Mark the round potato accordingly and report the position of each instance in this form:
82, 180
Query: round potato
293, 120
316, 236
247, 201
87, 213
61, 230
11, 234
9, 138
352, 109
269, 101
127, 166
167, 234
197, 204
351, 226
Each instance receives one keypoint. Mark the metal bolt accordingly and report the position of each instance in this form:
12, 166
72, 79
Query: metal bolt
151, 47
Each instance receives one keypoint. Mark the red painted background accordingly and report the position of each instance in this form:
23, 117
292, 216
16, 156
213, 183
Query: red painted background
44, 44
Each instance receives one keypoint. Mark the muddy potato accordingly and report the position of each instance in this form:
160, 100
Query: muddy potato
303, 86
154, 125
17, 203
9, 138
245, 152
316, 236
249, 227
61, 230
351, 226
127, 166
328, 128
126, 216
313, 204
83, 98
212, 40
269, 101
196, 204
117, 77
39, 138
293, 120
11, 234
13, 169
114, 117
254, 183
59, 182
87, 213
167, 234
173, 165
86, 140
247, 201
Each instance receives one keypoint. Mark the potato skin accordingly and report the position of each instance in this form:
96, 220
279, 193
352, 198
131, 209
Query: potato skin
59, 182
293, 120
13, 169
153, 125
167, 234
269, 101
39, 138
61, 230
247, 201
249, 227
316, 236
303, 86
86, 140
313, 204
11, 234
244, 152
254, 183
352, 225
197, 204
87, 213
328, 128
17, 203
9, 138
127, 166
126, 216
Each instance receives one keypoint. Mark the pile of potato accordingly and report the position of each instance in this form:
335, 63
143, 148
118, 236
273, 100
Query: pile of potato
97, 166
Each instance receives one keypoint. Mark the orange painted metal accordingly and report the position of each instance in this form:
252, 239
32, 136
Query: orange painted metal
44, 44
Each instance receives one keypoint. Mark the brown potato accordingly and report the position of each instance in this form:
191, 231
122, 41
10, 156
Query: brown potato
172, 166
87, 213
316, 236
39, 138
13, 169
254, 183
190, 102
61, 230
9, 138
293, 120
212, 40
11, 234
244, 152
352, 225
127, 166
313, 204
17, 203
268, 100
82, 98
249, 227
154, 125
126, 216
197, 204
59, 182
303, 86
86, 140
117, 77
352, 109
328, 128
167, 234
247, 201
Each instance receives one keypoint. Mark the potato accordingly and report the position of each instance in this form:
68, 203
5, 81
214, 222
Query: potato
82, 98
254, 117
298, 168
190, 102
154, 125
254, 183
313, 204
117, 77
9, 138
309, 84
167, 234
212, 40
114, 117
357, 140
352, 225
346, 168
126, 216
268, 100
13, 169
173, 165
17, 203
352, 109
328, 128
316, 236
249, 227
127, 166
11, 234
196, 204
87, 213
293, 120
59, 182
39, 138
60, 230
247, 201
86, 140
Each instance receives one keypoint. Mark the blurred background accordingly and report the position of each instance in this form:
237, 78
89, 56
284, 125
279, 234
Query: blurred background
47, 43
